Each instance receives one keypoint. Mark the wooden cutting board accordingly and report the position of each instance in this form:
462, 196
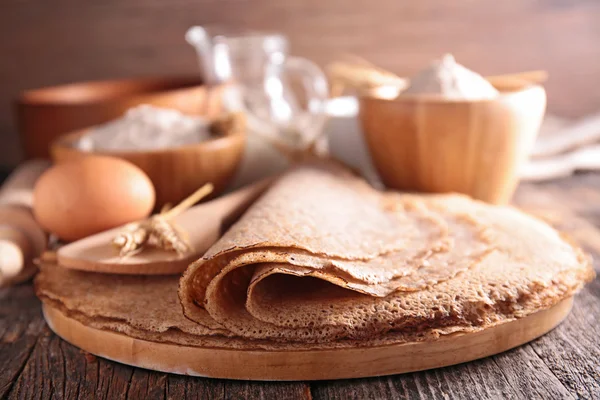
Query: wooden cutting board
305, 364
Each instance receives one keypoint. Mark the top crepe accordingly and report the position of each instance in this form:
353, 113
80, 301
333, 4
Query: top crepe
323, 257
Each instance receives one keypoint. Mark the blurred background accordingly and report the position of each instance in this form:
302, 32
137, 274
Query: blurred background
60, 41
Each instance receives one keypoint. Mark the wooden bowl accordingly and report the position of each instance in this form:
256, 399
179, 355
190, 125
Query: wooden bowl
44, 114
471, 147
176, 172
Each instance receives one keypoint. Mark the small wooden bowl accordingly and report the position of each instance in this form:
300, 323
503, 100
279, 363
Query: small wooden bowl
471, 147
44, 114
176, 172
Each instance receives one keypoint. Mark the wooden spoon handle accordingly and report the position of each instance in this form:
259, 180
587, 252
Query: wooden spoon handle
537, 76
206, 223
367, 77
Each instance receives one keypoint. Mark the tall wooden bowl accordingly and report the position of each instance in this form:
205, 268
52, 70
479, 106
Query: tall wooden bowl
175, 172
44, 114
471, 147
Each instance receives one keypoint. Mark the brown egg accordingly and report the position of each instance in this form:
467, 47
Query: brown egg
95, 193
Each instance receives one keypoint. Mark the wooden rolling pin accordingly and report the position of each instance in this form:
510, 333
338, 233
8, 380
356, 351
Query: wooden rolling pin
21, 238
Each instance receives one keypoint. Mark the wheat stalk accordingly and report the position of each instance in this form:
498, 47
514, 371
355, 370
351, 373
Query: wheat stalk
158, 231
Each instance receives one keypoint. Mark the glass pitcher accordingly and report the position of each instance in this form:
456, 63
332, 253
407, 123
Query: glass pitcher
260, 73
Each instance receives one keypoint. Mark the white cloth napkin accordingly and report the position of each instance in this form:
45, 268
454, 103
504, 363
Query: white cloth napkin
563, 147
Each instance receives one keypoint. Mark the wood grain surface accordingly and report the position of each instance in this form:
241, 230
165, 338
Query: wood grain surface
51, 42
564, 364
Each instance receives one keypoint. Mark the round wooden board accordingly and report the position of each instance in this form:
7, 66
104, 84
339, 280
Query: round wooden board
305, 364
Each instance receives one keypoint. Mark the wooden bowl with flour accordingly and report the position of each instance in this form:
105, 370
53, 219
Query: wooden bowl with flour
471, 147
176, 172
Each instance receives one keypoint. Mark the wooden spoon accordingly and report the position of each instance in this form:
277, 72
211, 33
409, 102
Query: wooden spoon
204, 224
517, 80
522, 78
367, 78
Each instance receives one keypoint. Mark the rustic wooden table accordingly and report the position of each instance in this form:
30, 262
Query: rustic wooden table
565, 363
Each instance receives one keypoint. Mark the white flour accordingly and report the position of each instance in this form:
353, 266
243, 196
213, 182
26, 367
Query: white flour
449, 80
145, 128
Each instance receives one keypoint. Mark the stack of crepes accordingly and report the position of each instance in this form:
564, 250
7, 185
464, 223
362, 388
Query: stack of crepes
324, 260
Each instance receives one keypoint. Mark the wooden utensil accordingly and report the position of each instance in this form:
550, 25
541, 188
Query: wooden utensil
298, 364
21, 237
361, 76
368, 79
45, 114
518, 80
471, 147
203, 225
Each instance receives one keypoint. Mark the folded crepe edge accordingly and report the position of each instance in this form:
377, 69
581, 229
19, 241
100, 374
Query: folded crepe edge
565, 284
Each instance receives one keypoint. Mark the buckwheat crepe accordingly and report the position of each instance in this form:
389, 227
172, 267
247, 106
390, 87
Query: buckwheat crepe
323, 260
322, 257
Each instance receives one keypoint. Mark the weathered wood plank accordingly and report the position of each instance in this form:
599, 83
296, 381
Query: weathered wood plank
56, 369
184, 387
81, 373
266, 390
181, 387
527, 373
20, 326
371, 388
146, 384
519, 373
552, 204
448, 383
482, 379
86, 372
580, 192
35, 381
113, 380
572, 351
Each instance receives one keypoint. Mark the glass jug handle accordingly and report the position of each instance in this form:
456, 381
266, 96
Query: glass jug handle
315, 85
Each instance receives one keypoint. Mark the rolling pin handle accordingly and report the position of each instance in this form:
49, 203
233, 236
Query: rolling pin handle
15, 250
